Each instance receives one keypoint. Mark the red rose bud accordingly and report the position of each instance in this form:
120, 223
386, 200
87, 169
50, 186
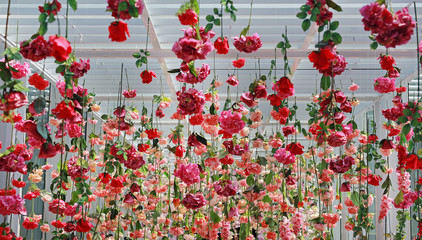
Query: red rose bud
189, 17
260, 91
387, 144
117, 31
38, 82
221, 45
60, 48
295, 148
147, 76
239, 63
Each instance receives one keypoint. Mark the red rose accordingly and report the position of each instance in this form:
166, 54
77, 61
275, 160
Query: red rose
387, 62
221, 45
104, 178
179, 151
346, 106
60, 48
274, 100
387, 144
38, 82
147, 76
412, 162
295, 148
143, 147
284, 88
239, 63
117, 31
337, 139
284, 112
35, 50
322, 59
83, 226
64, 110
374, 180
29, 224
18, 184
260, 91
248, 99
194, 201
372, 138
49, 151
189, 17
13, 100
345, 187
339, 96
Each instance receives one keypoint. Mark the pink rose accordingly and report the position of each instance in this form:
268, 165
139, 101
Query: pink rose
194, 201
188, 173
385, 85
337, 139
231, 122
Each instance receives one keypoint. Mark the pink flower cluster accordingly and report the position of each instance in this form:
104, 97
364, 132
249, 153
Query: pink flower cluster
247, 44
191, 101
15, 161
188, 173
194, 201
390, 29
284, 156
385, 85
188, 77
189, 48
75, 168
22, 69
386, 205
225, 188
12, 204
230, 122
80, 68
342, 165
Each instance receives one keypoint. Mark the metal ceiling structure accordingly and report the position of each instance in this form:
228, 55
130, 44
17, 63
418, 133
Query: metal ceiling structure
88, 33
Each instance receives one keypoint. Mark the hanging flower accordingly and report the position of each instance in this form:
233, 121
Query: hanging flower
12, 100
187, 77
385, 85
225, 188
64, 110
284, 156
117, 31
60, 48
84, 226
342, 165
113, 7
38, 82
221, 45
387, 62
322, 59
231, 122
51, 8
12, 204
36, 49
284, 88
247, 44
194, 201
147, 76
239, 63
337, 139
129, 93
188, 173
80, 68
188, 17
191, 101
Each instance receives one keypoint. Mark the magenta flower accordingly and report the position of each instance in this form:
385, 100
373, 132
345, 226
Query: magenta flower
188, 173
247, 44
231, 122
385, 85
191, 101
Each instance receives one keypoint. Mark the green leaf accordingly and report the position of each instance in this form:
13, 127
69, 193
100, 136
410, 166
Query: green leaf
60, 68
406, 129
334, 5
43, 28
302, 15
244, 231
305, 8
215, 10
39, 105
250, 180
267, 199
122, 6
399, 198
177, 70
407, 112
280, 45
373, 45
325, 82
355, 198
306, 24
73, 4
20, 87
136, 55
233, 16
138, 63
208, 27
269, 178
402, 119
5, 72
144, 59
326, 36
217, 22
133, 11
209, 18
42, 130
336, 38
314, 17
334, 25
214, 217
43, 17
51, 18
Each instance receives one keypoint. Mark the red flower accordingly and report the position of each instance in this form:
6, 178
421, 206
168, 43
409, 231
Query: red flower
374, 180
179, 151
38, 82
260, 91
189, 17
143, 147
51, 8
35, 50
322, 59
248, 99
284, 88
387, 144
117, 31
83, 226
152, 133
104, 178
387, 62
221, 45
60, 48
372, 138
239, 63
295, 148
412, 162
50, 150
64, 110
196, 119
274, 100
58, 224
18, 184
29, 223
147, 76
13, 100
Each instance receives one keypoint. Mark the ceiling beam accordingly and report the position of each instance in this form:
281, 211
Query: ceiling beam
262, 53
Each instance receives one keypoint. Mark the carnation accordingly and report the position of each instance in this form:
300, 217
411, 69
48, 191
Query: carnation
231, 122
247, 44
188, 48
194, 201
191, 101
188, 173
12, 204
36, 49
385, 85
